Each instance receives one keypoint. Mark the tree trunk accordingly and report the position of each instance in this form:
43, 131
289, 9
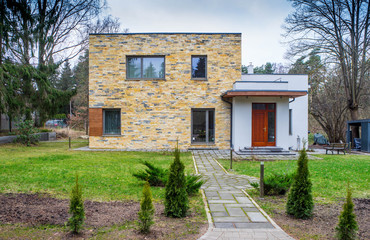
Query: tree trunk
355, 129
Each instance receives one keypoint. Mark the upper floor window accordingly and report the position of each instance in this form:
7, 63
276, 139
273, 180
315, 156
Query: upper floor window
198, 67
142, 67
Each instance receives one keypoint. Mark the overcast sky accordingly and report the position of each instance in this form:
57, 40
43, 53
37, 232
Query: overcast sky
259, 21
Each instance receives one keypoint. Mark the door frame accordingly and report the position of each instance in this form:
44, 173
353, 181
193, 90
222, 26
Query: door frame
266, 111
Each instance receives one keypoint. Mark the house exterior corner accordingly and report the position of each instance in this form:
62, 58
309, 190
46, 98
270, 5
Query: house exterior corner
146, 91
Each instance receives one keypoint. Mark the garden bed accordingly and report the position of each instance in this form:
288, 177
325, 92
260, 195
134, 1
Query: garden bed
322, 224
36, 182
33, 211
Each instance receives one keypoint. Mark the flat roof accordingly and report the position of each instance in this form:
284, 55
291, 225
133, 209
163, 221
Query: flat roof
358, 121
273, 74
264, 93
167, 33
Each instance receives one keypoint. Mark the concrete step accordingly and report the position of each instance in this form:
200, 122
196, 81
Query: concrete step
274, 149
202, 148
264, 153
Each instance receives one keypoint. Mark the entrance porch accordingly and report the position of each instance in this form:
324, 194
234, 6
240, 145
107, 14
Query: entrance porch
269, 111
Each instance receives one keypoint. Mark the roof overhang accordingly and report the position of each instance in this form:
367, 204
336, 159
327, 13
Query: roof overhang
264, 93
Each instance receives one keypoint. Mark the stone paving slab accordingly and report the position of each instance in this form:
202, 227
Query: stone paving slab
234, 215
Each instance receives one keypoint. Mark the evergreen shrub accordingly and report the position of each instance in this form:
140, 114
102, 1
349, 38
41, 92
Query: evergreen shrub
146, 212
76, 208
193, 183
176, 198
300, 202
156, 176
27, 133
347, 226
276, 183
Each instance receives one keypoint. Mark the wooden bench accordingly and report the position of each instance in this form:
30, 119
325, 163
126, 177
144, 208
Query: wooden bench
336, 147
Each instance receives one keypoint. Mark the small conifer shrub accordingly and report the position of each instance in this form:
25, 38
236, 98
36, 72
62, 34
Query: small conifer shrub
275, 184
347, 226
193, 183
156, 176
146, 210
76, 208
300, 203
176, 198
27, 133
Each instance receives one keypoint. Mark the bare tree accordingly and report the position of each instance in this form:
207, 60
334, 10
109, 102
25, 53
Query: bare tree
43, 31
108, 24
328, 107
81, 71
339, 30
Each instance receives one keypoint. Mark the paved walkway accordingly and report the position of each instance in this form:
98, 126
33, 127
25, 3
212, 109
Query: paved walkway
233, 214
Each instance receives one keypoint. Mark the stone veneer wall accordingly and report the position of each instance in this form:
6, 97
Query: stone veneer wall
155, 113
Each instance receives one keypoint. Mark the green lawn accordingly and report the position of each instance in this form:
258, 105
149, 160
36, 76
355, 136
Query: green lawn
329, 176
51, 168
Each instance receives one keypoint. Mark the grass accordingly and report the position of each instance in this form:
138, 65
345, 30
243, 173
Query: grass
329, 176
51, 168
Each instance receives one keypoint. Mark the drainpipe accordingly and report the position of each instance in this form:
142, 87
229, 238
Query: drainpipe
292, 100
231, 120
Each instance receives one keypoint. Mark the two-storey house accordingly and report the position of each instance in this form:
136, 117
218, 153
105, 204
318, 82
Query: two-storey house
148, 90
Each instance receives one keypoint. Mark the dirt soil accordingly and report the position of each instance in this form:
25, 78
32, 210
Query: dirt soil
322, 224
34, 210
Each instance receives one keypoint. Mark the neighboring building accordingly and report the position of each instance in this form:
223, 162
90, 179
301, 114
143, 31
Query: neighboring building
148, 90
4, 123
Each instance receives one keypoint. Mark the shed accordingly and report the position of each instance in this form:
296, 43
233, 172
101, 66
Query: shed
364, 125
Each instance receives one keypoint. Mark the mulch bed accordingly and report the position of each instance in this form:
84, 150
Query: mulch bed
325, 219
36, 210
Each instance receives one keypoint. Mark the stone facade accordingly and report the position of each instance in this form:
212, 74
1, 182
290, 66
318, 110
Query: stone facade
155, 113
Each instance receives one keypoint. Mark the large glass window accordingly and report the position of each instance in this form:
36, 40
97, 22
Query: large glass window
145, 67
199, 67
203, 126
112, 122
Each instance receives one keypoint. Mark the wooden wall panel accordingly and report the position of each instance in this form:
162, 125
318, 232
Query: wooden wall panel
96, 121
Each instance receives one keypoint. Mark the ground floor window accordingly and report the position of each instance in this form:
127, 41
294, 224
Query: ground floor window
111, 122
203, 126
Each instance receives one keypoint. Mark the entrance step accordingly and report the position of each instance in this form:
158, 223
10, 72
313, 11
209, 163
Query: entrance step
264, 151
202, 148
273, 149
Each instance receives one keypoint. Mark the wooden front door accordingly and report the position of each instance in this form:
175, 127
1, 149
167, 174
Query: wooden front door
263, 124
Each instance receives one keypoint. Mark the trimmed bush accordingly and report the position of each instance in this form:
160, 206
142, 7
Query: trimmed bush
26, 133
276, 184
176, 198
347, 226
156, 176
76, 208
146, 210
300, 203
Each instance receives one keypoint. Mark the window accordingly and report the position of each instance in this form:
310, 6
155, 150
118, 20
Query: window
290, 122
112, 122
203, 126
145, 67
198, 67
